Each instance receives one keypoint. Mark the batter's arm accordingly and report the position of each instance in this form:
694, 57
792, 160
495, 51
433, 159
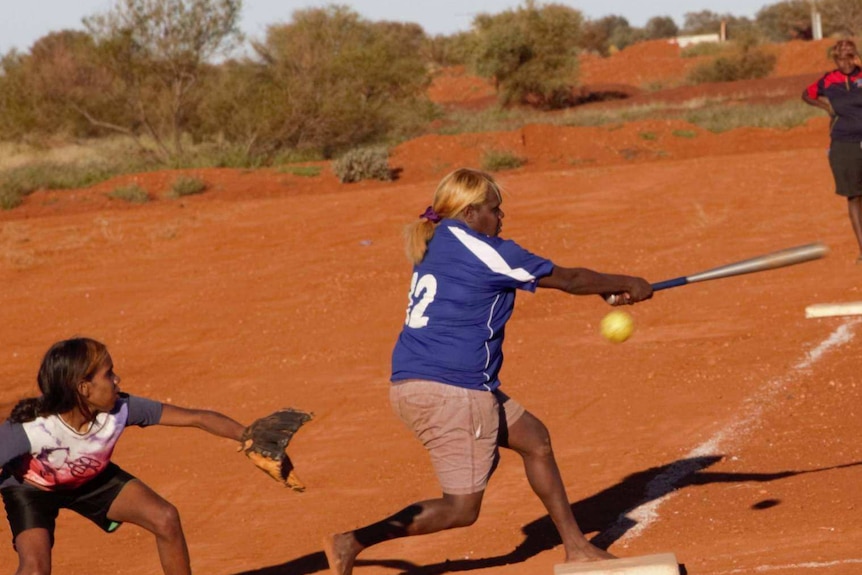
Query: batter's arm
583, 281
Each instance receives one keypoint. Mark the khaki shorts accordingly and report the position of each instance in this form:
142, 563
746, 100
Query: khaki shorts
459, 427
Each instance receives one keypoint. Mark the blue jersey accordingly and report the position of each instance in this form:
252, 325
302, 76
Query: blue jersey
461, 296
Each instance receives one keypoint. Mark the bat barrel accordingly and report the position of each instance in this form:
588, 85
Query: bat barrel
779, 259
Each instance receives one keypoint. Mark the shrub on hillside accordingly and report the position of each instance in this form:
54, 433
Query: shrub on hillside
745, 63
499, 160
187, 186
133, 193
18, 182
363, 164
703, 49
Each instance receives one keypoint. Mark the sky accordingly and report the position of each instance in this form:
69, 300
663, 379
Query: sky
25, 21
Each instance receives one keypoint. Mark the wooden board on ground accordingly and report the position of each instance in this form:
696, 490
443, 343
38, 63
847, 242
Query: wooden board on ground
833, 309
659, 564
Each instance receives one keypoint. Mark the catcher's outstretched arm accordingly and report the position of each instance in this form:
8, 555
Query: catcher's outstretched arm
210, 421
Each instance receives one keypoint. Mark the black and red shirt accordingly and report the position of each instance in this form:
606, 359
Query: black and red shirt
844, 92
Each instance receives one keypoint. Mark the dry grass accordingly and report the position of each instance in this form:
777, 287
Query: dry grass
15, 155
25, 168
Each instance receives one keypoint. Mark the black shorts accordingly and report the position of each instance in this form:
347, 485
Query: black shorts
845, 159
29, 507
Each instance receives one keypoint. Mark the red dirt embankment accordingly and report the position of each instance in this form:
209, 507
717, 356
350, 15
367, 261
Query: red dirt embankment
656, 71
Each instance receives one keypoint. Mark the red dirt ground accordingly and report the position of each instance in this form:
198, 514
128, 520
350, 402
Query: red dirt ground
725, 430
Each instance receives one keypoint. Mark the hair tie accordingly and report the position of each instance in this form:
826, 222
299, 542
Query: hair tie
431, 215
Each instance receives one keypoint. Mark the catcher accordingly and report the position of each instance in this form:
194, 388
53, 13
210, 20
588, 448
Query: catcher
55, 453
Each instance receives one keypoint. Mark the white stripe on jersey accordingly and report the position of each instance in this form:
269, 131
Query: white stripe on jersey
489, 256
490, 335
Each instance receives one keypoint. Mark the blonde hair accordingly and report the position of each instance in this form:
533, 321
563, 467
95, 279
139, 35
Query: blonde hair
456, 192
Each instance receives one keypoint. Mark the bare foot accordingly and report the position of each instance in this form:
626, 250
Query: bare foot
588, 553
340, 553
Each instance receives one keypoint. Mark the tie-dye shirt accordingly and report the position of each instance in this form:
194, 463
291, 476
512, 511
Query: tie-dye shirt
48, 453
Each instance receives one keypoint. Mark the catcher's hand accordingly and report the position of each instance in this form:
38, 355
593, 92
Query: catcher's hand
265, 443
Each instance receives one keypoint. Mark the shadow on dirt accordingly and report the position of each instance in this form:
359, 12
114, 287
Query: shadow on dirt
605, 513
603, 93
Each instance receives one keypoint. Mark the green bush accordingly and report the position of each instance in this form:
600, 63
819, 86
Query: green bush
187, 186
133, 193
747, 63
9, 198
15, 183
330, 81
703, 49
531, 53
498, 160
363, 164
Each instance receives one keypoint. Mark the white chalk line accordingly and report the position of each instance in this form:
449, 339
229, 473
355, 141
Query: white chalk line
806, 565
633, 522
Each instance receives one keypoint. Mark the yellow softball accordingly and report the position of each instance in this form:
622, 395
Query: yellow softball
617, 326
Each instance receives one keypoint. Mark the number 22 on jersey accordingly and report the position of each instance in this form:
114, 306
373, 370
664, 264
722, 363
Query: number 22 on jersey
422, 292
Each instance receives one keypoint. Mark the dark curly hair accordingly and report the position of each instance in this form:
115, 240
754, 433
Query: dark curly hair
844, 48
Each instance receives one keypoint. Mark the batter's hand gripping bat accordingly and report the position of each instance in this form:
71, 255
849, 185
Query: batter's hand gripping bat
779, 259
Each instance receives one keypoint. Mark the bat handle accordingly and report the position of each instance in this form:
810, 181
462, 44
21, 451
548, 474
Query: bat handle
675, 282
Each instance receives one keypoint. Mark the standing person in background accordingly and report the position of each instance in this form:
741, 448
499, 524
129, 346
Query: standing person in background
55, 453
839, 92
446, 361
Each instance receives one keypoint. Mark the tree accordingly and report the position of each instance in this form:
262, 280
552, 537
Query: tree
49, 90
239, 108
341, 80
787, 20
707, 22
68, 78
660, 27
607, 34
17, 117
452, 50
842, 17
157, 50
530, 52
703, 22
